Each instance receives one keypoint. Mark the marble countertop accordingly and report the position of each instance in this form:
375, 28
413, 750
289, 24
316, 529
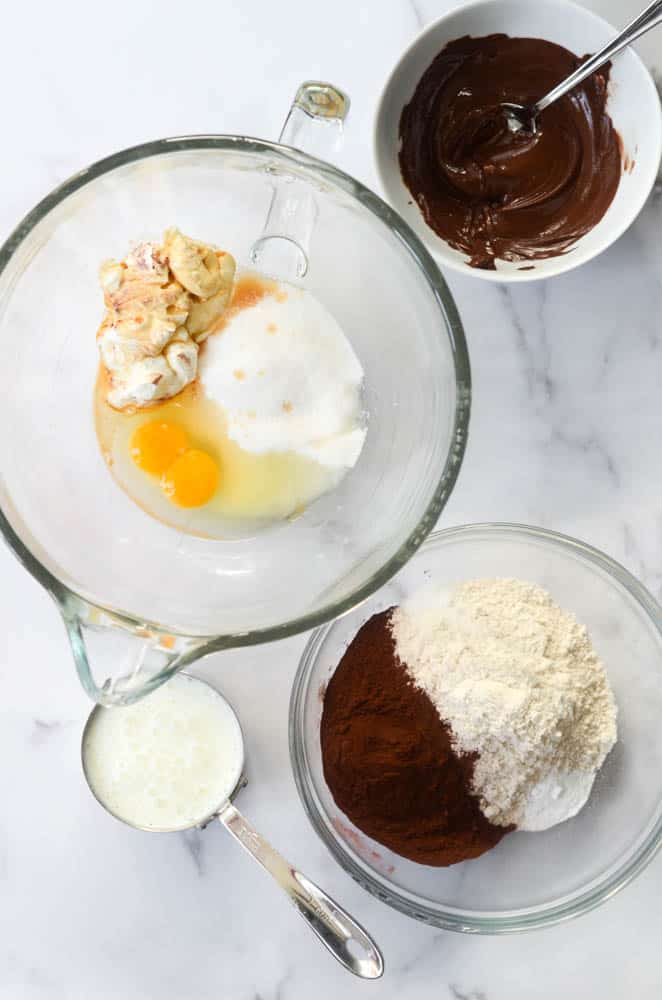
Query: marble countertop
565, 433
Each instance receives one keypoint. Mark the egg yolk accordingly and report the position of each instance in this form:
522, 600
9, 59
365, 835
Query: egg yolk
156, 445
191, 480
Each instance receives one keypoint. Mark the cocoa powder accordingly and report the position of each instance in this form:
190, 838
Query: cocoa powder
388, 759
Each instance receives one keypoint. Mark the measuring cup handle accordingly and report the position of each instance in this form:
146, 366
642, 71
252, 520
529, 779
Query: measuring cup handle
334, 927
314, 124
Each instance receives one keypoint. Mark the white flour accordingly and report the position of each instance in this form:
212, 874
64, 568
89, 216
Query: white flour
518, 681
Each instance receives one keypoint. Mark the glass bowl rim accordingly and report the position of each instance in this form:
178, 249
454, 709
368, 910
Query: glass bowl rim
470, 922
67, 596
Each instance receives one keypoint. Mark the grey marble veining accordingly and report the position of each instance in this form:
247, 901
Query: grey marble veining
566, 432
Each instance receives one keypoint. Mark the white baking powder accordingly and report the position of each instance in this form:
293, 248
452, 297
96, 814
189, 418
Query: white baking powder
519, 683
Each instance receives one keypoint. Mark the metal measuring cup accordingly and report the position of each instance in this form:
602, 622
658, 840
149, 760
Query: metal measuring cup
347, 941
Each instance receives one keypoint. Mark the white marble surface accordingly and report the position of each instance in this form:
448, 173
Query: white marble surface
565, 433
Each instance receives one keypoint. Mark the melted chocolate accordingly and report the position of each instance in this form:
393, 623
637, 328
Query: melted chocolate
494, 194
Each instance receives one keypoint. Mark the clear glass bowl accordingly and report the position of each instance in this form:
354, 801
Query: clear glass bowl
530, 879
111, 566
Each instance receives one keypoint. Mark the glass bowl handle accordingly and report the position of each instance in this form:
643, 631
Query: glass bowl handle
314, 123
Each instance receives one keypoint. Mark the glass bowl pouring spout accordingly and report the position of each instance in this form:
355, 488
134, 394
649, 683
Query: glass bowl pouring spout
140, 600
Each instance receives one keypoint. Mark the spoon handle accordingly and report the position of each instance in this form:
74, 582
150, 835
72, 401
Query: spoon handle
643, 22
341, 934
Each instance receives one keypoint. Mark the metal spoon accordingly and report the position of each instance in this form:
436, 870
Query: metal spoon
347, 941
522, 118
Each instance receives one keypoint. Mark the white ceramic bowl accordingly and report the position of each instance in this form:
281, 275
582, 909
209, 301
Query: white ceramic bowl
633, 104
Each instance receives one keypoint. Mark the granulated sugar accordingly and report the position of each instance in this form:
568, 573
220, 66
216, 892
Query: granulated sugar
288, 380
519, 683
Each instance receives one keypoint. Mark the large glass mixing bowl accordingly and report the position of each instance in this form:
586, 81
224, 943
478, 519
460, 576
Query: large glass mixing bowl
140, 599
